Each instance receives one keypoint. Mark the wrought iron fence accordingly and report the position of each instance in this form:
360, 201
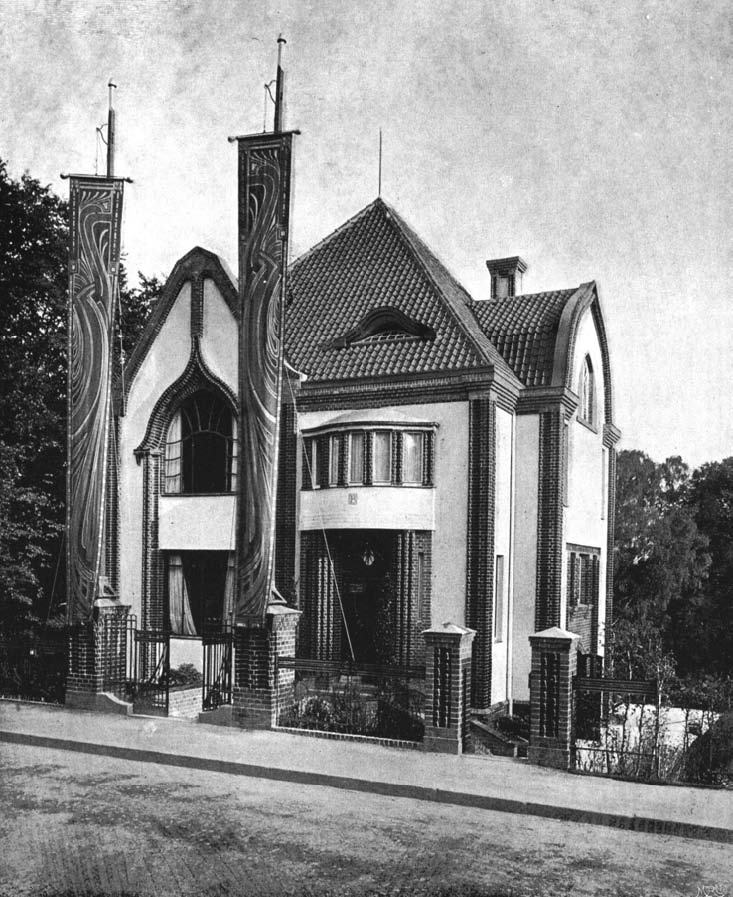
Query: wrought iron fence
367, 699
118, 658
617, 729
35, 668
217, 686
152, 672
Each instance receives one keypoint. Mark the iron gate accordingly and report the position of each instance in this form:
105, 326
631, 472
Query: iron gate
217, 687
152, 672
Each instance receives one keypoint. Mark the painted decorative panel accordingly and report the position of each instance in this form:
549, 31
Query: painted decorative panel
94, 254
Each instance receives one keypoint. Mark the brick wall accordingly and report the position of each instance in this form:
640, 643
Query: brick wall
286, 511
184, 703
549, 520
480, 555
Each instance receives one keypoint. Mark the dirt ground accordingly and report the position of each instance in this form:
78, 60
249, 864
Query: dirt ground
72, 824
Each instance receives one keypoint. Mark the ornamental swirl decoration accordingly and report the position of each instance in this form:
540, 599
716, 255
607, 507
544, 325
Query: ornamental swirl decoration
264, 198
94, 254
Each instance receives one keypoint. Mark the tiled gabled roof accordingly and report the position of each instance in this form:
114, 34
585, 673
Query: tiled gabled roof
524, 330
372, 261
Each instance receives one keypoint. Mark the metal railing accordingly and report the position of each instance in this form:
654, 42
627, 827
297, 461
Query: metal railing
376, 700
217, 662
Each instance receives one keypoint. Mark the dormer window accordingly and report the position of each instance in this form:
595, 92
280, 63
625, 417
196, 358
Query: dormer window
385, 322
587, 393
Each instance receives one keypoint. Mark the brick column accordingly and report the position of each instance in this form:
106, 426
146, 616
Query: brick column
97, 659
261, 688
552, 724
448, 650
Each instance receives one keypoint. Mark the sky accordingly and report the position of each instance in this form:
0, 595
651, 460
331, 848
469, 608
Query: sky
592, 139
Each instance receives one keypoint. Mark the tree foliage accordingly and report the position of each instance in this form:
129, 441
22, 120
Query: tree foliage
33, 331
673, 566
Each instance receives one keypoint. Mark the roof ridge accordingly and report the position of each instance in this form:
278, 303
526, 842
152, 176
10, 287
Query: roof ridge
335, 233
480, 343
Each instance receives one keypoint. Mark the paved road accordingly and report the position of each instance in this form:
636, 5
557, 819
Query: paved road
82, 825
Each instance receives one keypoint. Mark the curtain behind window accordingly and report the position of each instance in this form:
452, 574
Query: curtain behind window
181, 619
173, 481
229, 589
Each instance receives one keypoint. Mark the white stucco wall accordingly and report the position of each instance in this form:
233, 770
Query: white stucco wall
163, 365
525, 550
450, 496
368, 507
220, 342
196, 522
585, 519
502, 546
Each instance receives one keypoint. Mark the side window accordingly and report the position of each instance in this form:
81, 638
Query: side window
587, 393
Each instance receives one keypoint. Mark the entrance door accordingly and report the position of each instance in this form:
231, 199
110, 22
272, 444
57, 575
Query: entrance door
367, 595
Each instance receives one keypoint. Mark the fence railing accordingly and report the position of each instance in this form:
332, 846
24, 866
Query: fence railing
217, 662
118, 658
35, 669
377, 700
152, 672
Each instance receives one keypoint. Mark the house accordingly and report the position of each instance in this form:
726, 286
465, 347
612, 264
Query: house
442, 458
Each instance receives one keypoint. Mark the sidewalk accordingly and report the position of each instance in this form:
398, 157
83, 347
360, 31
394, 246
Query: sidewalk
493, 783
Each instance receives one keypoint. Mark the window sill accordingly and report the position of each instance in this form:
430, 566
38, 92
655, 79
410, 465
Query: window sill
194, 494
589, 425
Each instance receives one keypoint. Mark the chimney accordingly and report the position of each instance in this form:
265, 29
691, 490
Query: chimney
506, 276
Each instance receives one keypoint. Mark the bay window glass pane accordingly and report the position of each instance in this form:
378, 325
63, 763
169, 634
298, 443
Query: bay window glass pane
356, 458
412, 444
382, 456
334, 458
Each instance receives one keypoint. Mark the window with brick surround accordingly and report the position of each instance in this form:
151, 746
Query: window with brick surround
587, 393
583, 575
201, 447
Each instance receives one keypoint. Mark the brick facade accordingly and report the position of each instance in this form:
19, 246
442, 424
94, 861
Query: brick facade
480, 543
261, 687
554, 665
550, 520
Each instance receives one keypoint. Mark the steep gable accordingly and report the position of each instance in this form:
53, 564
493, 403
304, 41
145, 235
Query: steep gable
376, 262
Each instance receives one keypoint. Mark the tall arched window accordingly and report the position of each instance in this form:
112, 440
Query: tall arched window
201, 447
587, 391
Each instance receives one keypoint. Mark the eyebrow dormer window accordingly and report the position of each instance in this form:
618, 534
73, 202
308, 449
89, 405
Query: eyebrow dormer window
382, 323
587, 393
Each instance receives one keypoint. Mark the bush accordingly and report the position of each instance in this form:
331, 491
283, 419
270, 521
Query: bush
185, 675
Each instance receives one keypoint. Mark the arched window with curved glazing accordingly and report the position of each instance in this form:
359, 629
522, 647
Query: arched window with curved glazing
201, 447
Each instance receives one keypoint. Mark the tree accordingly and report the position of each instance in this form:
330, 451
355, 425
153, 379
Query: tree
33, 276
33, 331
661, 558
710, 496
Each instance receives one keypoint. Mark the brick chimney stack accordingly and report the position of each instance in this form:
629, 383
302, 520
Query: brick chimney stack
506, 276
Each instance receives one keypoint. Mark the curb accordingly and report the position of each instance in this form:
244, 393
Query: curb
648, 825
